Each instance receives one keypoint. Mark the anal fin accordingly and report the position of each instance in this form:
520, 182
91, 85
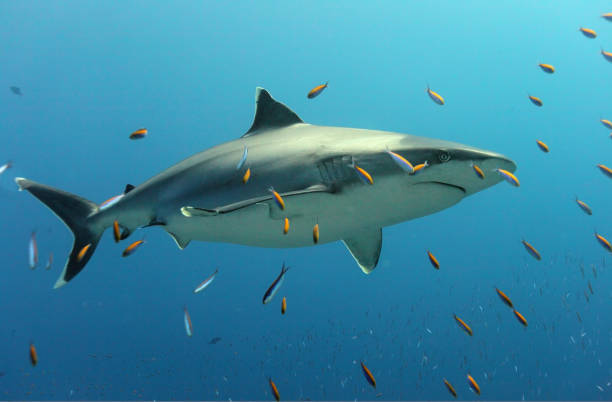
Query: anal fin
365, 247
180, 242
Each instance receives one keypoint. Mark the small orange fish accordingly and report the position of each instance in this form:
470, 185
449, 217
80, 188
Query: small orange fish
420, 166
607, 16
463, 325
535, 100
132, 247
520, 317
542, 146
277, 197
606, 55
363, 174
116, 232
605, 170
504, 298
547, 68
450, 388
584, 206
83, 251
138, 134
368, 375
315, 233
284, 305
606, 123
509, 177
478, 171
473, 384
33, 355
401, 161
589, 33
433, 260
604, 242
316, 91
247, 176
286, 226
532, 250
274, 390
436, 97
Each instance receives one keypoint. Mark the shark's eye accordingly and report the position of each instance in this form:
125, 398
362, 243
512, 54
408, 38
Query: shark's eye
444, 156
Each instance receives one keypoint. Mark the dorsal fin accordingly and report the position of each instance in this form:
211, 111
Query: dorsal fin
270, 114
128, 188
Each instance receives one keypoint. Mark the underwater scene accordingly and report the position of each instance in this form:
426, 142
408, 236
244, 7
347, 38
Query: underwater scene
396, 200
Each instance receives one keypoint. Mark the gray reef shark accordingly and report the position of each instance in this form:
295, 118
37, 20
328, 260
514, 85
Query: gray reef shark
313, 168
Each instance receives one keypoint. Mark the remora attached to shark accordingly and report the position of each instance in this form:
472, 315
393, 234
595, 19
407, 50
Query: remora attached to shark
204, 198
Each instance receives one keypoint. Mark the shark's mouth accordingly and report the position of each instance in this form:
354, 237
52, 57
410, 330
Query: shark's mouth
450, 185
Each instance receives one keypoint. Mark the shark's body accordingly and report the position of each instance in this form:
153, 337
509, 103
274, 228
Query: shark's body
204, 197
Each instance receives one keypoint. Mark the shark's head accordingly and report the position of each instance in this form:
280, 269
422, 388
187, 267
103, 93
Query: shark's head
455, 165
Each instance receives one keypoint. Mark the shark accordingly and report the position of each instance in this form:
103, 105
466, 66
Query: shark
317, 171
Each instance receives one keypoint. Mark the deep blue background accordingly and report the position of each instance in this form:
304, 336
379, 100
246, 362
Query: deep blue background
92, 72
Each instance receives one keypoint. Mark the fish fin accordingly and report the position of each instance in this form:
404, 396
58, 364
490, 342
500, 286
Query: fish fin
365, 248
128, 188
125, 233
74, 211
180, 242
270, 113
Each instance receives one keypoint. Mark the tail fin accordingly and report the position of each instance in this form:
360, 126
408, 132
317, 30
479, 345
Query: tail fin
73, 211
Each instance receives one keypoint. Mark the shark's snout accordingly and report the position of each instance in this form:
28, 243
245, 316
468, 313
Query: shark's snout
483, 158
488, 162
494, 161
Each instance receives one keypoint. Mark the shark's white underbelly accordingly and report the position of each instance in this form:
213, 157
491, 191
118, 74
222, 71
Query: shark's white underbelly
339, 215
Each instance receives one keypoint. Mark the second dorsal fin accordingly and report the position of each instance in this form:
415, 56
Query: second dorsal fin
270, 114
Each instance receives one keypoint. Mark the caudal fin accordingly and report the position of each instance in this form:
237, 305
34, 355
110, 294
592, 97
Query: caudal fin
74, 211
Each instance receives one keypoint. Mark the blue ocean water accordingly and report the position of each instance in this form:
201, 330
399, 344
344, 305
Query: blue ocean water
93, 72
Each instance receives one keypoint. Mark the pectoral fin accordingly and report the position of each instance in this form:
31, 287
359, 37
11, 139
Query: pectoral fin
365, 248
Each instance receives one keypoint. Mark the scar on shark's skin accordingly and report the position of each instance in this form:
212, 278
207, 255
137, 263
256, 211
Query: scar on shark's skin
353, 182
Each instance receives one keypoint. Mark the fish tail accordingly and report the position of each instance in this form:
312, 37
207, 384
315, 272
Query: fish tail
75, 212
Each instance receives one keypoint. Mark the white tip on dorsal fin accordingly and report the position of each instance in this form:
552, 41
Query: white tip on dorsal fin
270, 113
